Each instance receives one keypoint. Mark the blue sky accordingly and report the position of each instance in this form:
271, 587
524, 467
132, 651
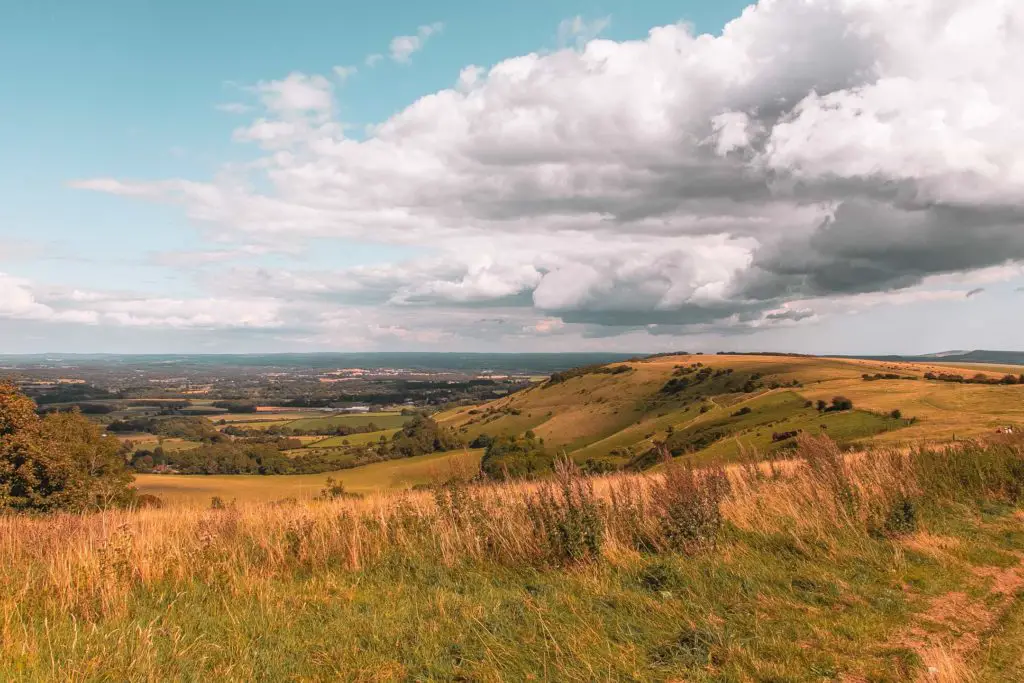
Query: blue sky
619, 189
128, 89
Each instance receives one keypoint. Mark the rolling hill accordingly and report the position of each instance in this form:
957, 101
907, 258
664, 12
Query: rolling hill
716, 407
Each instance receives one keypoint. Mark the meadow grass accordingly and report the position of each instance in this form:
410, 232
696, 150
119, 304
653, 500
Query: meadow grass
881, 566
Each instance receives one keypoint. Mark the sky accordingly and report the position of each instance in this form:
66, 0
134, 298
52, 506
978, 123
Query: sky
816, 176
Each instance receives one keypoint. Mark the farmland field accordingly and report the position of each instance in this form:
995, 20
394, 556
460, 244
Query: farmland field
388, 475
359, 439
382, 420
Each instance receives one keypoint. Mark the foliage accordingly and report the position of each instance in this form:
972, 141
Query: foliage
566, 516
419, 436
177, 427
334, 489
566, 375
515, 457
59, 462
688, 506
979, 378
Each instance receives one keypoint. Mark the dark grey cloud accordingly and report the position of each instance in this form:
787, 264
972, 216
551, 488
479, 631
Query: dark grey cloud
974, 292
868, 246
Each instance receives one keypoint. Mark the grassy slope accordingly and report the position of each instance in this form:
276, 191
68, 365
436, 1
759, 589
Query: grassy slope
592, 415
391, 474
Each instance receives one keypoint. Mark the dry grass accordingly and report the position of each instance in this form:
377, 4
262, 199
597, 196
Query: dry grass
86, 571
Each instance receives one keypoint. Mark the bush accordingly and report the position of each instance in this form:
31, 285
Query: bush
688, 506
566, 515
896, 414
902, 518
510, 457
334, 489
841, 403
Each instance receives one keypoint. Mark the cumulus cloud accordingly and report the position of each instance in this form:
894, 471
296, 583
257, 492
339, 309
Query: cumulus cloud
297, 93
816, 151
402, 48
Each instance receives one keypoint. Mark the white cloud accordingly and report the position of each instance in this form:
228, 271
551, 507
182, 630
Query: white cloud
194, 313
296, 94
18, 301
374, 59
816, 155
402, 48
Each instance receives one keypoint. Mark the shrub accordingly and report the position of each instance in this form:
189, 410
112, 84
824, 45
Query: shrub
745, 410
841, 403
688, 506
896, 414
334, 489
510, 457
902, 518
566, 515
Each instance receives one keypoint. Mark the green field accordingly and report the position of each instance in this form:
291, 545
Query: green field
381, 420
360, 439
389, 475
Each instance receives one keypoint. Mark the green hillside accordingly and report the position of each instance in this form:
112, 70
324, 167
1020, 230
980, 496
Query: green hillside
715, 408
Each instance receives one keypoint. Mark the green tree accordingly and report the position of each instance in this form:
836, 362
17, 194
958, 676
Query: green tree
61, 462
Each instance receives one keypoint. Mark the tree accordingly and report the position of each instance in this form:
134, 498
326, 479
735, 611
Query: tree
60, 462
515, 457
841, 403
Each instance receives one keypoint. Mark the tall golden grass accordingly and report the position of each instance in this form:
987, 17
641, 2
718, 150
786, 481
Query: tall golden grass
86, 565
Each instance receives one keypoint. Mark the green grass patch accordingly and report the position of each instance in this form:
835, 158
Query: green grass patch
381, 420
353, 439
